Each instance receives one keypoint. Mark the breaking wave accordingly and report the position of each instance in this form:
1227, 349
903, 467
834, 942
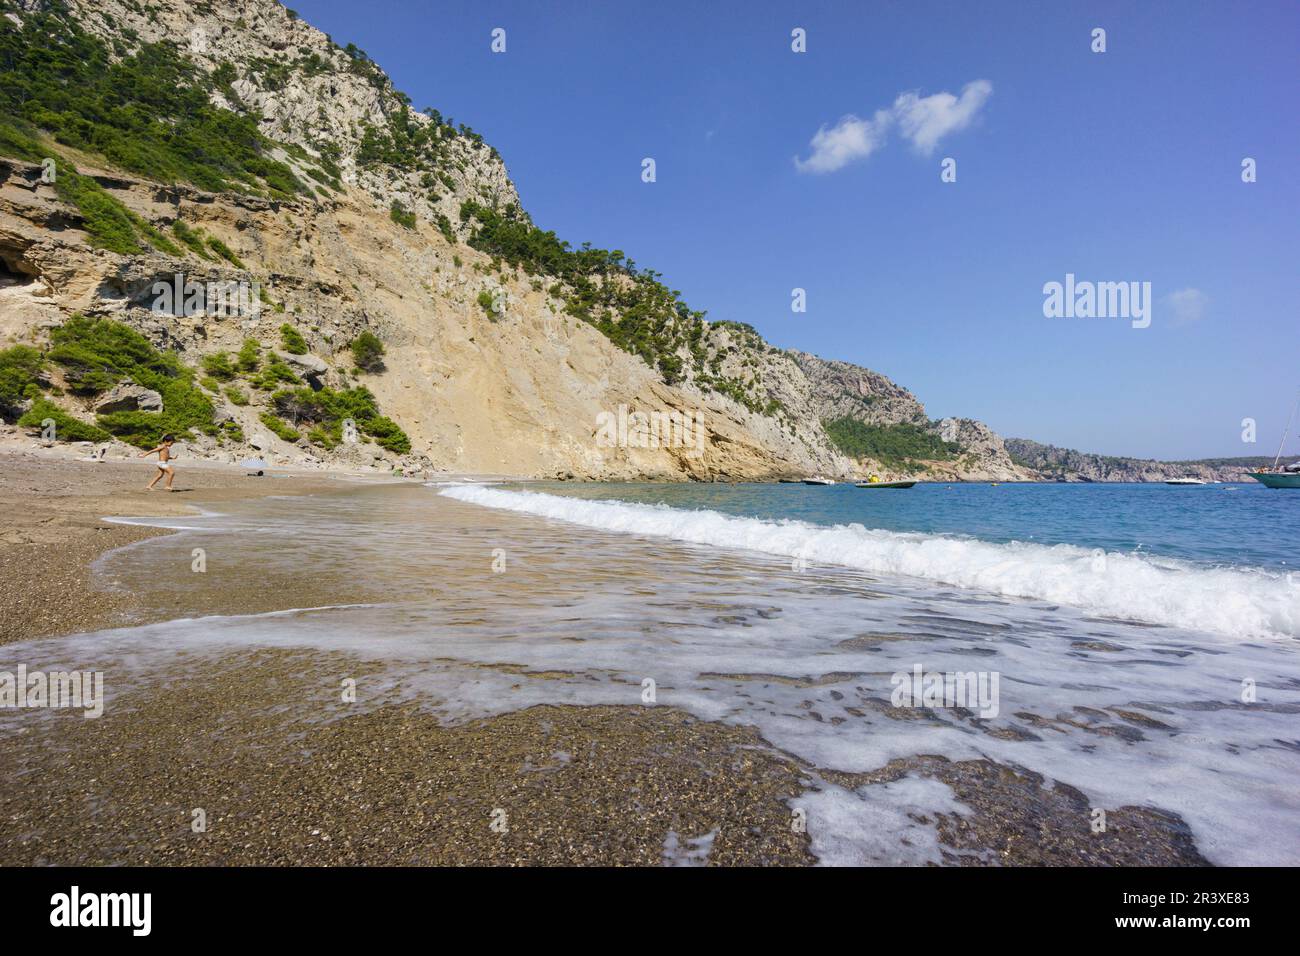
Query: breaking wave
1236, 602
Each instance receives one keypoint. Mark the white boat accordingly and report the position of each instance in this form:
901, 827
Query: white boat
819, 481
1183, 481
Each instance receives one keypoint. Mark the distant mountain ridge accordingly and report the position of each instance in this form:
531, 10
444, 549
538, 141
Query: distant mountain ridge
1066, 464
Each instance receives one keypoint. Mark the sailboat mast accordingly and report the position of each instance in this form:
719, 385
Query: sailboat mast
1285, 432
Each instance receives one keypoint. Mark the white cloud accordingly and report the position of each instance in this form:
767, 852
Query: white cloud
849, 139
922, 119
1187, 305
927, 119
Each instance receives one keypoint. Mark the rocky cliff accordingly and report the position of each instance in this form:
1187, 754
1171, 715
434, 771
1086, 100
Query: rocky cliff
188, 142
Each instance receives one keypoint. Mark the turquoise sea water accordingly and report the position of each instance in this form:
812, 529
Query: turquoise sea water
1232, 525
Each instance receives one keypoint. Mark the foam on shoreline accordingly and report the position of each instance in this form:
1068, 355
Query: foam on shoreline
1239, 603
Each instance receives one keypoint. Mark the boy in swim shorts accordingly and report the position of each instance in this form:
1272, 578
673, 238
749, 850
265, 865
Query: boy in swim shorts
164, 452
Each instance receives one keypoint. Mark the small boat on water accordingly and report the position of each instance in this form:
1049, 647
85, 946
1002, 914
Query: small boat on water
1285, 476
1183, 481
875, 482
819, 481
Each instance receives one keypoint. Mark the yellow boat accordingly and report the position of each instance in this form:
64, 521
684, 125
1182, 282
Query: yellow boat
874, 482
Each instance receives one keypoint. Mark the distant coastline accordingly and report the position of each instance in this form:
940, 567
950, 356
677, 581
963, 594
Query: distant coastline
1066, 464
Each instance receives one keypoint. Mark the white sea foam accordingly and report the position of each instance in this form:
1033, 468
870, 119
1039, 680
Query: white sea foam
1241, 603
850, 829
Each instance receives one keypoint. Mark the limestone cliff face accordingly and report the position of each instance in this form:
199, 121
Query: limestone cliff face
521, 387
844, 390
308, 91
983, 456
520, 392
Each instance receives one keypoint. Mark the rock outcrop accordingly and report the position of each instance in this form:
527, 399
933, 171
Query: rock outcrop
128, 398
844, 390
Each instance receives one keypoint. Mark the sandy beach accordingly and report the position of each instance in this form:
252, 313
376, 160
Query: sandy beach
286, 770
54, 506
394, 786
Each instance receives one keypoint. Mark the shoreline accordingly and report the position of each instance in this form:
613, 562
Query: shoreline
570, 774
286, 774
56, 528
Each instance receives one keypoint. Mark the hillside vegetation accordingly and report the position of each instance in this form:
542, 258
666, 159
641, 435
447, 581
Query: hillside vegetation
147, 111
94, 355
900, 445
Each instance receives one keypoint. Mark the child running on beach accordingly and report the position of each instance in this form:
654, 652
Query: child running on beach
164, 452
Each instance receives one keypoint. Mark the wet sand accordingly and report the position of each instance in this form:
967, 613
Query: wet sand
285, 772
308, 783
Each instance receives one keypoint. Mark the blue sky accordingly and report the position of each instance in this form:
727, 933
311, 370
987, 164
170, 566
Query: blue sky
1118, 166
